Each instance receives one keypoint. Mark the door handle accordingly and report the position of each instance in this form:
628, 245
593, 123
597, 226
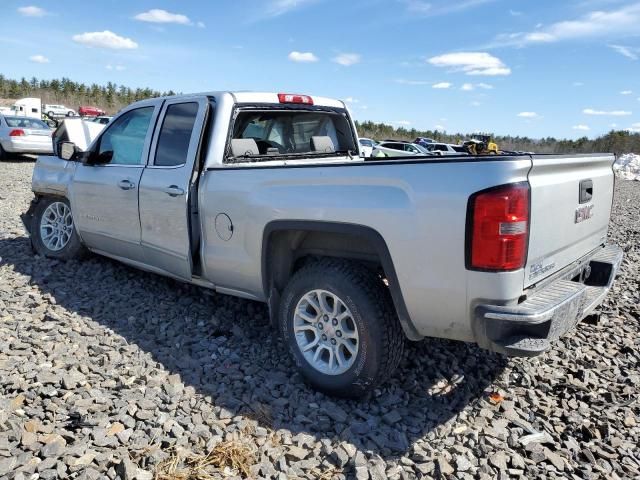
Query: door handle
126, 185
174, 191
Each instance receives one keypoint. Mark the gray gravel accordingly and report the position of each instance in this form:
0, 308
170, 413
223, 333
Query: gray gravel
107, 371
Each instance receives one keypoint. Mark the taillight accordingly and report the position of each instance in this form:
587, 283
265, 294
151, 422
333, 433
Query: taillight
498, 228
294, 98
16, 132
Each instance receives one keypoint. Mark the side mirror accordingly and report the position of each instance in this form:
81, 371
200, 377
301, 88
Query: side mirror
67, 150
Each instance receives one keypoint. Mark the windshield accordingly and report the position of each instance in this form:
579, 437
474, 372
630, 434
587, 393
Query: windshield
289, 132
421, 148
25, 122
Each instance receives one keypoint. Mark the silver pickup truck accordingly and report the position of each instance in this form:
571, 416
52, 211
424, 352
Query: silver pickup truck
265, 196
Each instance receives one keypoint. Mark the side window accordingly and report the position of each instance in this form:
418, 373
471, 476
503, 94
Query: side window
410, 148
175, 134
124, 140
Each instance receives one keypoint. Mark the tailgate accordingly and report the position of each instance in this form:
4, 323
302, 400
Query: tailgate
571, 199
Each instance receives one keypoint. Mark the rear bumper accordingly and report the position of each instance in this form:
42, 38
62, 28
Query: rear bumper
18, 145
528, 328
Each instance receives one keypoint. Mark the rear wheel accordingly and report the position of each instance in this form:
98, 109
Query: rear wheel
340, 327
50, 114
3, 154
53, 233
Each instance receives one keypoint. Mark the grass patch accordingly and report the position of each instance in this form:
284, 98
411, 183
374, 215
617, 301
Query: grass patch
233, 456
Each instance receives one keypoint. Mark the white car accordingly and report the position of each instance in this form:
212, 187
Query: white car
24, 135
366, 146
398, 149
58, 111
446, 149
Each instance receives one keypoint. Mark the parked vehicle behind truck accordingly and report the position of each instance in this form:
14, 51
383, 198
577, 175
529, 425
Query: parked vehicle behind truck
263, 196
54, 111
24, 135
27, 107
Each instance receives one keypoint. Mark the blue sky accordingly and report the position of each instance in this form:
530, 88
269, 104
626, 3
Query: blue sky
563, 68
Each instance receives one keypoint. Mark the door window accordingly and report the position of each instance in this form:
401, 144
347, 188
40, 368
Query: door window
123, 142
175, 134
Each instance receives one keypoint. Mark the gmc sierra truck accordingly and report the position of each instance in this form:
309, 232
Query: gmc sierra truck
265, 196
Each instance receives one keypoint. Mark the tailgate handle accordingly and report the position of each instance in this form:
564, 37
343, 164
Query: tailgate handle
586, 191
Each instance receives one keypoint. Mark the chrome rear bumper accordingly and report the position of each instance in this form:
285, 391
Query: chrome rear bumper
528, 328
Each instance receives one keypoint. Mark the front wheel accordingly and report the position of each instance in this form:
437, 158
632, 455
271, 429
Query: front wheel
339, 324
53, 233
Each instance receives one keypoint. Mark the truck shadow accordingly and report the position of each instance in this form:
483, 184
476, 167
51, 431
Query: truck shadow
225, 349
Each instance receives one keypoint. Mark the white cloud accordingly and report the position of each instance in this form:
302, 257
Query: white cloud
404, 123
441, 85
39, 59
157, 15
528, 115
468, 87
32, 11
302, 57
275, 8
613, 125
475, 103
628, 52
612, 23
635, 128
117, 68
200, 25
403, 81
578, 84
351, 100
612, 113
515, 13
347, 59
471, 63
425, 8
439, 127
106, 39
626, 92
581, 127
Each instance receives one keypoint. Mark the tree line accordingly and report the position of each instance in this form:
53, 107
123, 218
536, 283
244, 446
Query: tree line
616, 141
112, 97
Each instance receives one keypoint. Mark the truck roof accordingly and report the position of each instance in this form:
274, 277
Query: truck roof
262, 97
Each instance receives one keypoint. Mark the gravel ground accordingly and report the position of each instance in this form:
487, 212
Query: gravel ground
106, 371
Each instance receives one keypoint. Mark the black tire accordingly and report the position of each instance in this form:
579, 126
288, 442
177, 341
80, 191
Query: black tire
381, 340
3, 154
50, 114
73, 248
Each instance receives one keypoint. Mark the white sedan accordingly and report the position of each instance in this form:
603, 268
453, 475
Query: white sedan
398, 149
446, 149
58, 111
24, 135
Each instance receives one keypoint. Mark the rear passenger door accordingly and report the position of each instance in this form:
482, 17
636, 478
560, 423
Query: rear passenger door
168, 186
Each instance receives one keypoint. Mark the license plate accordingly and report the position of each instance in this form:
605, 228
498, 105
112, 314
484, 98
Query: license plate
584, 213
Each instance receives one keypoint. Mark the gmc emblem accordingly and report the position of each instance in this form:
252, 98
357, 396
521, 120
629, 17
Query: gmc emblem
584, 213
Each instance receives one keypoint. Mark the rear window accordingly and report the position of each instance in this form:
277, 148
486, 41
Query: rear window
289, 132
25, 122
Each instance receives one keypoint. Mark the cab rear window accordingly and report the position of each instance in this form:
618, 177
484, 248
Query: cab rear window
290, 132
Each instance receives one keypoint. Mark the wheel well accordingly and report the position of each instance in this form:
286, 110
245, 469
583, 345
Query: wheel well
289, 245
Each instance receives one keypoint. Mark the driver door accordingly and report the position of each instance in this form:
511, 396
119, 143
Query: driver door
104, 196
